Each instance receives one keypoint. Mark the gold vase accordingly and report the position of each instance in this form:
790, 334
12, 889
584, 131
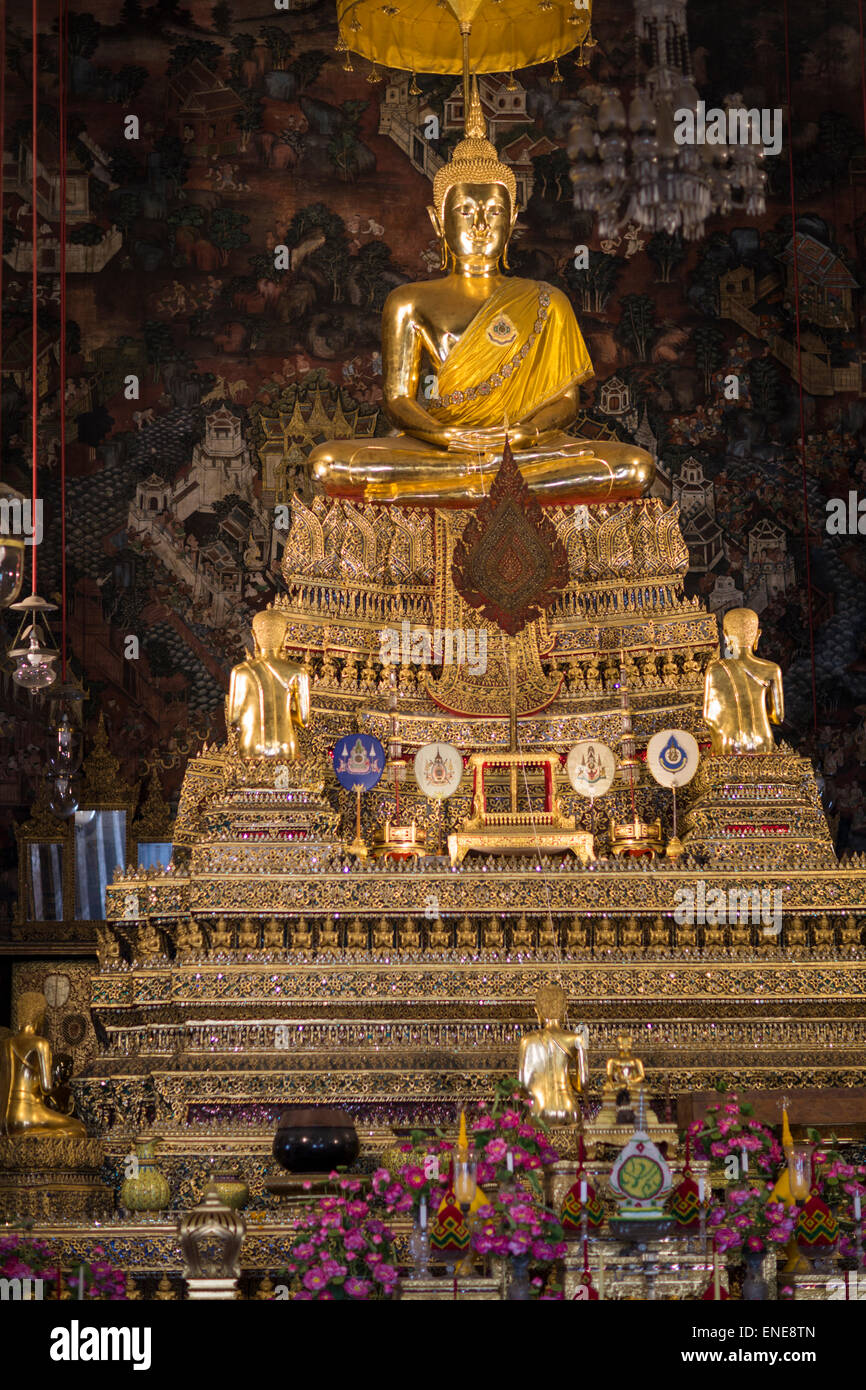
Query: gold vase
232, 1188
146, 1188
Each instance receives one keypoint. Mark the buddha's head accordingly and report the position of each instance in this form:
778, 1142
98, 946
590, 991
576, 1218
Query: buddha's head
741, 628
623, 1042
269, 630
551, 1003
474, 199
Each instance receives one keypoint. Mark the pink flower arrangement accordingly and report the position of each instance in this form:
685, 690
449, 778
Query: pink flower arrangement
342, 1249
750, 1219
22, 1257
517, 1226
729, 1129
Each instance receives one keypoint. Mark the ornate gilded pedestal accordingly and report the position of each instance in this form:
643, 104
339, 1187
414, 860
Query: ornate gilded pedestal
42, 1178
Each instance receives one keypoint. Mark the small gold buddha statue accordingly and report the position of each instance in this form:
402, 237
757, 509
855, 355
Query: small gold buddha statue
301, 935
823, 933
349, 675
553, 1061
492, 935
27, 1081
149, 942
221, 936
409, 935
605, 933
248, 935
522, 935
190, 939
795, 935
593, 677
575, 679
268, 695
467, 934
577, 934
356, 935
368, 675
686, 934
272, 935
548, 934
659, 932
624, 1072
107, 948
383, 935
691, 668
439, 936
328, 670
742, 693
632, 934
329, 934
670, 672
502, 354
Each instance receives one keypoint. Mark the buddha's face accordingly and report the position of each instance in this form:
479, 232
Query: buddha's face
476, 222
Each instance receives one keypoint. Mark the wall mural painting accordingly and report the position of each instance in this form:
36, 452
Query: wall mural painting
240, 207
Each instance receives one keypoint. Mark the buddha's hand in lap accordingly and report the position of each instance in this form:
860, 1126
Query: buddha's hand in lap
490, 441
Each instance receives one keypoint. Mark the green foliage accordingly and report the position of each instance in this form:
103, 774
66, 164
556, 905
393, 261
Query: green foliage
83, 35
185, 52
279, 44
637, 326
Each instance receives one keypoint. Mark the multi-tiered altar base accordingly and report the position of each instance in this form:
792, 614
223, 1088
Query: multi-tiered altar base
269, 965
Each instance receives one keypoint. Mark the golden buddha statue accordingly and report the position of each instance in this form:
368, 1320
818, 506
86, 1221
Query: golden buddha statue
383, 935
356, 935
301, 934
27, 1079
504, 354
190, 940
742, 693
248, 935
467, 934
221, 936
272, 935
268, 695
409, 935
522, 935
329, 935
624, 1072
553, 1061
493, 935
439, 938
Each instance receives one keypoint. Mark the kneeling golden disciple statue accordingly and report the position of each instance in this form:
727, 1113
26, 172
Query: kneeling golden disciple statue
27, 1081
742, 693
506, 355
268, 695
553, 1061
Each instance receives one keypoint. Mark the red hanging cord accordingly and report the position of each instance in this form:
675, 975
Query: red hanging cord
61, 78
2, 206
862, 65
796, 270
34, 366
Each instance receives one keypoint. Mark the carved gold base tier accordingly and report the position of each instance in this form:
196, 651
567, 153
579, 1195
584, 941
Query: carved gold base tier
371, 597
42, 1177
757, 809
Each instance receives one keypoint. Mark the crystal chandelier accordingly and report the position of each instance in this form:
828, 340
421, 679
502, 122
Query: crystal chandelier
627, 164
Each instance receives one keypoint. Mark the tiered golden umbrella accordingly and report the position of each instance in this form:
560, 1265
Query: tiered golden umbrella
454, 36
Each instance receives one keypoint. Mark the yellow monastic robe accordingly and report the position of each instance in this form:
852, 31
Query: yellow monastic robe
522, 348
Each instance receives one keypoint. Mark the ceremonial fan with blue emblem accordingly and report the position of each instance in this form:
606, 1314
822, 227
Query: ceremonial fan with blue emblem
359, 761
672, 757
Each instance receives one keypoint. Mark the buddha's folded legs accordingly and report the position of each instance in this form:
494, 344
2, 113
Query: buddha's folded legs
559, 470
